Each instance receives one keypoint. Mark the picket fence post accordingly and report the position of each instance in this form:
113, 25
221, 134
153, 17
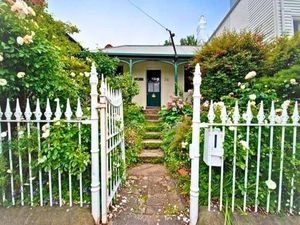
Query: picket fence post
194, 149
95, 180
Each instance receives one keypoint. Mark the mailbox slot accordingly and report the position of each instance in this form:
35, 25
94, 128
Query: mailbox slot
213, 147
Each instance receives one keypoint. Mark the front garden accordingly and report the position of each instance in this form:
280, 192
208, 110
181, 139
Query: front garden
40, 62
243, 68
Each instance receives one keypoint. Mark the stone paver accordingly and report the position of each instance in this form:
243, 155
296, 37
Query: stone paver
45, 216
149, 197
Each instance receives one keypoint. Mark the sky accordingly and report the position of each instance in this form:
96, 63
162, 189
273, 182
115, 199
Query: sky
117, 22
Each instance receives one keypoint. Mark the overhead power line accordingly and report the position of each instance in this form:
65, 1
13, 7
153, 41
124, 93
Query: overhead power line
172, 35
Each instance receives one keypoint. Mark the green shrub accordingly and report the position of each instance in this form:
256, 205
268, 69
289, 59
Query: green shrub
283, 54
176, 152
134, 132
174, 110
34, 52
126, 84
285, 82
226, 60
60, 149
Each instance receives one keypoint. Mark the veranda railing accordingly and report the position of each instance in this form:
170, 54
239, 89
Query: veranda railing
258, 158
30, 184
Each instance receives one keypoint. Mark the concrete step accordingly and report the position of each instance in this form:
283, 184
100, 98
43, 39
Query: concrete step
152, 135
151, 143
151, 110
146, 153
152, 117
151, 128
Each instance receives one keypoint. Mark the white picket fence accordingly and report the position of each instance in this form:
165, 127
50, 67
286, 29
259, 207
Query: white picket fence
37, 187
250, 137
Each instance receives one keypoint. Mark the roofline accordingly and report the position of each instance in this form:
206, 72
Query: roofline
149, 55
118, 46
227, 15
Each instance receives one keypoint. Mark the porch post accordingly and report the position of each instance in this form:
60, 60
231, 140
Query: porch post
95, 182
176, 78
194, 149
130, 66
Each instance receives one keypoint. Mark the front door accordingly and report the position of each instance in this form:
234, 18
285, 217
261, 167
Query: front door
153, 88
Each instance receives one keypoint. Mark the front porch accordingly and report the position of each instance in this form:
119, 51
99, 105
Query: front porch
156, 71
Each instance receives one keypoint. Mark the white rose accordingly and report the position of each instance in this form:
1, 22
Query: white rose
206, 104
20, 74
239, 83
45, 127
1, 57
184, 144
3, 134
46, 134
31, 11
244, 144
252, 97
27, 39
271, 184
3, 82
243, 86
250, 75
20, 40
86, 74
72, 74
293, 81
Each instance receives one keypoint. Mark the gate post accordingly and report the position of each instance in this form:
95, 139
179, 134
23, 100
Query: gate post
194, 149
95, 180
103, 145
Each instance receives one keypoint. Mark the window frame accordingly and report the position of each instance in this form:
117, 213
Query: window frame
296, 24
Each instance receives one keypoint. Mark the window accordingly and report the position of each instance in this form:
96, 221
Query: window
120, 70
188, 79
297, 25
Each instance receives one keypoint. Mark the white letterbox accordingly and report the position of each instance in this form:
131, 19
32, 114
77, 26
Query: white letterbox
213, 147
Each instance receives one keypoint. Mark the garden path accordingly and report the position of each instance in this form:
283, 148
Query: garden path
149, 197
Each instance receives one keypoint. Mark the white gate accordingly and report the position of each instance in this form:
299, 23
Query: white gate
111, 145
27, 183
272, 182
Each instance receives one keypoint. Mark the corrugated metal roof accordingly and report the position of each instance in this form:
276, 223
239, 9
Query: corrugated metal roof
151, 50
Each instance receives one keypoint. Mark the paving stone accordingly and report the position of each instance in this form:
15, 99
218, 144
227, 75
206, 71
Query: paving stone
154, 191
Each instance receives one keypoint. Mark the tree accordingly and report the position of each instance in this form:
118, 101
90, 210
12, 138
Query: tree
167, 43
189, 40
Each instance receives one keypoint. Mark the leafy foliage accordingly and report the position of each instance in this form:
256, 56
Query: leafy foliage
134, 131
61, 150
227, 59
125, 83
283, 54
35, 51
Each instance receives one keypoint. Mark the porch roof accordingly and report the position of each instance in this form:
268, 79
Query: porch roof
151, 51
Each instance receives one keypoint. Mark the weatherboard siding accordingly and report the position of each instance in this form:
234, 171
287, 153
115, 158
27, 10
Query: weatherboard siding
262, 17
273, 18
237, 20
291, 11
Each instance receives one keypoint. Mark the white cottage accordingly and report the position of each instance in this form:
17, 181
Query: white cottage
156, 71
273, 18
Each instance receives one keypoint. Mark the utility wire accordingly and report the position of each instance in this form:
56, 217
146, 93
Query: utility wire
172, 35
140, 9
